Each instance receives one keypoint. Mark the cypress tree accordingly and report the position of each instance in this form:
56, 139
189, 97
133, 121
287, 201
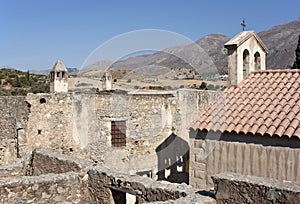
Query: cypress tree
297, 61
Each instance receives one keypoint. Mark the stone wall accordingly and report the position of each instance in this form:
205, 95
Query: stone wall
108, 186
237, 188
73, 180
50, 123
210, 157
45, 162
50, 188
13, 119
80, 124
11, 170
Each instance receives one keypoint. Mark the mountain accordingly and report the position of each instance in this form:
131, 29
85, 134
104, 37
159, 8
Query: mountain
199, 57
71, 71
280, 40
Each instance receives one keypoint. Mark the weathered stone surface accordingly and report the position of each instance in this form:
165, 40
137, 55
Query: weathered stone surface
50, 188
102, 181
79, 124
49, 162
237, 188
13, 119
11, 170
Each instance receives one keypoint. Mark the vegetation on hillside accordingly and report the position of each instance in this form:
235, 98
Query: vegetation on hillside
14, 83
297, 60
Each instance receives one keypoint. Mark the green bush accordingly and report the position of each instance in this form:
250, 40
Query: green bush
24, 81
210, 87
203, 85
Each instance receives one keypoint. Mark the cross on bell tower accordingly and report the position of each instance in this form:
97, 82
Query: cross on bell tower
243, 24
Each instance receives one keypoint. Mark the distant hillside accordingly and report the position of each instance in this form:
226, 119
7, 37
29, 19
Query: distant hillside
71, 71
14, 82
280, 40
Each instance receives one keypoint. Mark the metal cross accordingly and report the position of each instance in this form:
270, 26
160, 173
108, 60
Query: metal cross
243, 24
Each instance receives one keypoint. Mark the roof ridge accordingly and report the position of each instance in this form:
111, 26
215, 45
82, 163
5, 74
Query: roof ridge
278, 71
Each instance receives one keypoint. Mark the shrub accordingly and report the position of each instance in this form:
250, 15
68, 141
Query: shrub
203, 85
210, 87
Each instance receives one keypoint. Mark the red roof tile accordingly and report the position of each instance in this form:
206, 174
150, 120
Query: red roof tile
267, 103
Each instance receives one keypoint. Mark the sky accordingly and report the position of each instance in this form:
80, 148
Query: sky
35, 33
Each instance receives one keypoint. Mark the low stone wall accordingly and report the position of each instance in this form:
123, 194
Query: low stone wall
107, 186
50, 188
237, 188
11, 170
45, 162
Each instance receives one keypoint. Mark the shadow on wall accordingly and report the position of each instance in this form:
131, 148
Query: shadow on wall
173, 160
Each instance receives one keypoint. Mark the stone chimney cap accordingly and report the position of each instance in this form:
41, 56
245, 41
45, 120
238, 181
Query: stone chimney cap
59, 67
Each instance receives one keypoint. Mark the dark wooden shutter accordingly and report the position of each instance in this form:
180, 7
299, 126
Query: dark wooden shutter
118, 133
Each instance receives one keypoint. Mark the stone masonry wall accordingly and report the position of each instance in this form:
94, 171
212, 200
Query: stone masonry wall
103, 182
57, 179
80, 124
45, 162
237, 188
13, 119
50, 188
50, 123
210, 157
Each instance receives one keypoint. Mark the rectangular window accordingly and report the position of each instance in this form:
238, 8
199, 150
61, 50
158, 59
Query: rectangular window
118, 133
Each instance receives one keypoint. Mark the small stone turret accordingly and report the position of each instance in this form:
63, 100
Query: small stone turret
107, 81
246, 53
59, 78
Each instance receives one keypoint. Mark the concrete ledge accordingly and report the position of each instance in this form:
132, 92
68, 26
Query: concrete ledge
237, 188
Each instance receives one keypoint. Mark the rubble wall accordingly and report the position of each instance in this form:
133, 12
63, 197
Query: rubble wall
50, 188
13, 119
79, 124
237, 188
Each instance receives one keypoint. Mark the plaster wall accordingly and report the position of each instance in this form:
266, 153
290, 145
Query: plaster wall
210, 157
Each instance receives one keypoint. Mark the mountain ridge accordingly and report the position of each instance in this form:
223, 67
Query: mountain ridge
281, 40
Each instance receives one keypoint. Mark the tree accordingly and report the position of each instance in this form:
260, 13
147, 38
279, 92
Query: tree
297, 61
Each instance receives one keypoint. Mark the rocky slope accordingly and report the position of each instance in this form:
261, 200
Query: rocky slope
186, 61
281, 41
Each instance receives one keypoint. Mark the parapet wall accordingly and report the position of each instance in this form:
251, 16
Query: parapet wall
107, 186
238, 188
50, 188
78, 181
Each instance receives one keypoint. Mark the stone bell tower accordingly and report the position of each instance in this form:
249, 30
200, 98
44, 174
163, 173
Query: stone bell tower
246, 53
59, 78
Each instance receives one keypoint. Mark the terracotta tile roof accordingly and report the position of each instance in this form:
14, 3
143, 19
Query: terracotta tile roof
267, 103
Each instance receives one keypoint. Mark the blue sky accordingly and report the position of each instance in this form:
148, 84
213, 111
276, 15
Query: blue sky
35, 33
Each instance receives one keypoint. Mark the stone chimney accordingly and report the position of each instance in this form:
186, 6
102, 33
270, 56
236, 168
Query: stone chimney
59, 78
107, 81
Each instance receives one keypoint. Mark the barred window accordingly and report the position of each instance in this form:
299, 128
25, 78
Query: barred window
118, 133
